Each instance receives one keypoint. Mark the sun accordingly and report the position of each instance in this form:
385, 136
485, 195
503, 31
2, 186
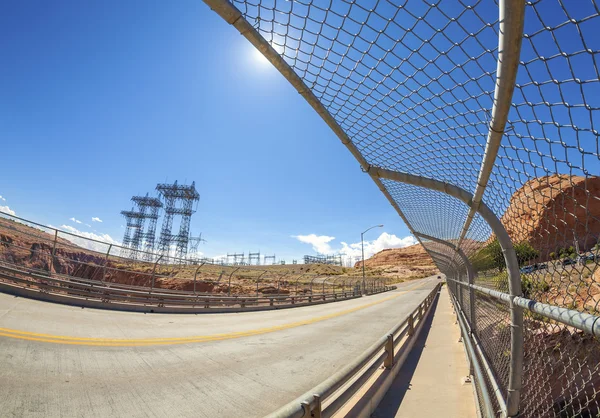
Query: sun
259, 58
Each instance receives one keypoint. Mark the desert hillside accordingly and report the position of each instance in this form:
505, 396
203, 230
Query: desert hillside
405, 263
550, 212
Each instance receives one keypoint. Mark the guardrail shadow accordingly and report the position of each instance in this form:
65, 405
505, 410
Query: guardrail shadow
402, 382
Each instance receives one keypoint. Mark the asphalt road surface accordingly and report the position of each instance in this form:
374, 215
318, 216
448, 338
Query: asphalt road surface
62, 361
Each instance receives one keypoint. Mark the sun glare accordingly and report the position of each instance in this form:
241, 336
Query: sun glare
259, 57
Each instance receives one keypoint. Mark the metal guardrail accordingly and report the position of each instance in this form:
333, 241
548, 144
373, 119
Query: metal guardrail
589, 324
326, 399
91, 293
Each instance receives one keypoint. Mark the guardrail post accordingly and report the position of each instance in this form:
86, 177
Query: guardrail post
316, 411
420, 315
389, 349
411, 325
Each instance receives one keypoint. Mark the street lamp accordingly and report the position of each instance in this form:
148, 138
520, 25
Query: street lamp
362, 245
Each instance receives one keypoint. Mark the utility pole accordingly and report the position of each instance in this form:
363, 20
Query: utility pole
362, 246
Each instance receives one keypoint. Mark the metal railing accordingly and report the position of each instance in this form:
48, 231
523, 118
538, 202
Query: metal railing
389, 351
89, 293
46, 263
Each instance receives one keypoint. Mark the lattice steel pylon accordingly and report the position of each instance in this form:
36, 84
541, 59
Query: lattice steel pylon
238, 258
149, 207
194, 243
254, 257
134, 223
172, 195
479, 123
130, 226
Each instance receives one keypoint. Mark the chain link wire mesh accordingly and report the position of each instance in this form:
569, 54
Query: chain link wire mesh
411, 84
52, 260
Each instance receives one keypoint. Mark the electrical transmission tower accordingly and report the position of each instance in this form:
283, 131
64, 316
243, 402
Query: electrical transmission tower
194, 243
132, 239
237, 258
172, 195
269, 257
131, 224
254, 257
148, 209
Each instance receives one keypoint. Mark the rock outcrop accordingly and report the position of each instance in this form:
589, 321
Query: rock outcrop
552, 212
407, 262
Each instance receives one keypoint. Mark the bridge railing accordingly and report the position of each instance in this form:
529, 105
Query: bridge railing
49, 250
94, 294
389, 351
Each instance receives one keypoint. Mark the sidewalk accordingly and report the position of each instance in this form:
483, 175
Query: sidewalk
430, 382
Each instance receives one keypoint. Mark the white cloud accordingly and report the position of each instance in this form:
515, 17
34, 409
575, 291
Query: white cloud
88, 225
85, 243
8, 210
320, 243
384, 241
2, 198
77, 221
96, 219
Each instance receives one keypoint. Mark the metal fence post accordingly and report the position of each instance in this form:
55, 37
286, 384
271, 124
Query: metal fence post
196, 273
229, 285
279, 280
258, 280
105, 263
53, 251
153, 272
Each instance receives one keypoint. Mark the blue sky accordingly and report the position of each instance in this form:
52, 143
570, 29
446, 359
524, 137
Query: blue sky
103, 100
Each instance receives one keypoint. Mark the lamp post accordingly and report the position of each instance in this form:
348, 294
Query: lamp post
362, 245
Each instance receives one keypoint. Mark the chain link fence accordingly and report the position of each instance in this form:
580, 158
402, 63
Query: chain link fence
479, 120
37, 251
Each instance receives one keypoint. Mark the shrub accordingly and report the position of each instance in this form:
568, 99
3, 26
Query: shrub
491, 256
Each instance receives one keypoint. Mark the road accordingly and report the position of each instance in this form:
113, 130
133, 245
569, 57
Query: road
62, 361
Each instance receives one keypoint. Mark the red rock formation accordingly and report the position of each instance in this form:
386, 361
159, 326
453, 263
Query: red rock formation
551, 212
402, 262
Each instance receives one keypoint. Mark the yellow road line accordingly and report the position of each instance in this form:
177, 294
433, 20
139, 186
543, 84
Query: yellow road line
111, 342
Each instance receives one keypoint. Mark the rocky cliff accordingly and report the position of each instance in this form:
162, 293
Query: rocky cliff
407, 262
552, 212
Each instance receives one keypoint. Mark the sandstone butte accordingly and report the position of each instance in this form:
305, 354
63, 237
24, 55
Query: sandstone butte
402, 262
551, 212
